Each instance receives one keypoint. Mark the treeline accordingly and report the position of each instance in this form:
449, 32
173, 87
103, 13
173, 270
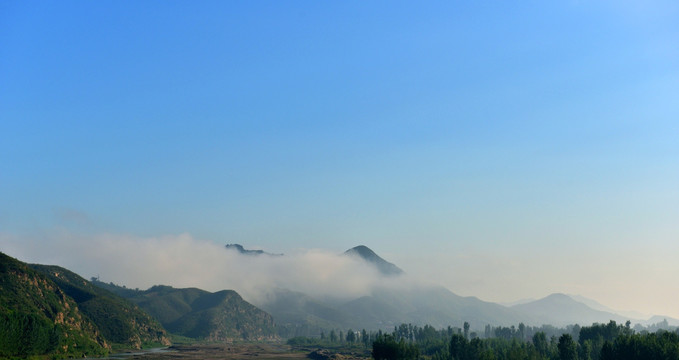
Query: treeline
596, 342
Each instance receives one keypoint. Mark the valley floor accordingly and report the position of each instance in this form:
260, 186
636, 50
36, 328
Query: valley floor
240, 352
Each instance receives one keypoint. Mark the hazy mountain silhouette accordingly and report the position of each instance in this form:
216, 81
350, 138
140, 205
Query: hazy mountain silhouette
384, 307
561, 309
244, 251
385, 267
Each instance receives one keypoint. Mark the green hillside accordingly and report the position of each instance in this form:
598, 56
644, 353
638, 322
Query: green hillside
39, 318
199, 314
119, 321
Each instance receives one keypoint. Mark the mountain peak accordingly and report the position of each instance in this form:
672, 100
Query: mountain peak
365, 253
244, 251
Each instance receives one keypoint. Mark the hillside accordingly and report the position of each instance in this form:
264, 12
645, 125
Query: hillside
118, 320
199, 314
298, 314
39, 318
385, 307
369, 256
436, 306
561, 309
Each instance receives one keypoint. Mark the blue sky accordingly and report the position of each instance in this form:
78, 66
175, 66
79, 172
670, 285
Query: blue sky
530, 134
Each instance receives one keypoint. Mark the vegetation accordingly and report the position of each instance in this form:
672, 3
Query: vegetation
202, 315
596, 342
120, 322
50, 311
385, 347
38, 318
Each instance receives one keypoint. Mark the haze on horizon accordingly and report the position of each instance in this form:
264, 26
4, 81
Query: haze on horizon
503, 150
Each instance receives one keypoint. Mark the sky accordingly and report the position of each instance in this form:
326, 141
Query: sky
505, 150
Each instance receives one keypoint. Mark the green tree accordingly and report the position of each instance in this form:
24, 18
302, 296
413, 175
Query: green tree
607, 351
386, 348
540, 343
458, 345
351, 337
568, 349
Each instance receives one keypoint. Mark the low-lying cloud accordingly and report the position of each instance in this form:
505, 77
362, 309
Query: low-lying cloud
183, 261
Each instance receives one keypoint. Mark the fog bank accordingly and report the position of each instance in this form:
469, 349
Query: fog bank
183, 261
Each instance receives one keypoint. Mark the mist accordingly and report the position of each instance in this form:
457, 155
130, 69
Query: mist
183, 261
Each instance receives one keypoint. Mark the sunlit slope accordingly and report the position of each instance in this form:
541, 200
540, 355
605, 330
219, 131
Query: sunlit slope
118, 320
39, 318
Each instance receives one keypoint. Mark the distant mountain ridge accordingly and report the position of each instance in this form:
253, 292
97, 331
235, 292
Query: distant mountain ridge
384, 267
244, 251
561, 309
297, 313
386, 307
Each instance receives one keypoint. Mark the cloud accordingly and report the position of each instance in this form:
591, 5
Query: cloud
183, 261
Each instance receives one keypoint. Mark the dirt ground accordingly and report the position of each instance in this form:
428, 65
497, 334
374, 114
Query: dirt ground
237, 352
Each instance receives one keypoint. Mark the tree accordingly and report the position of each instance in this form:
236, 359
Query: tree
568, 349
351, 337
540, 343
607, 352
386, 348
458, 346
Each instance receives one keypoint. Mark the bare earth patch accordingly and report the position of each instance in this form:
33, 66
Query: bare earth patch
225, 351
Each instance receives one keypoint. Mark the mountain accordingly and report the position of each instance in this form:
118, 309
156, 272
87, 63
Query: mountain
385, 267
561, 309
298, 314
118, 320
39, 318
660, 321
433, 305
598, 306
199, 314
516, 302
244, 251
384, 307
